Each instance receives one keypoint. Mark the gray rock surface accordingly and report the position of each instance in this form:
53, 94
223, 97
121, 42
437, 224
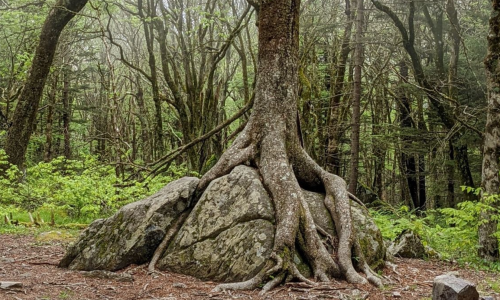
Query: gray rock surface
447, 287
229, 235
407, 245
132, 234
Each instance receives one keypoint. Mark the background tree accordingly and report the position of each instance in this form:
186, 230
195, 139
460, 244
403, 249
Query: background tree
488, 243
23, 120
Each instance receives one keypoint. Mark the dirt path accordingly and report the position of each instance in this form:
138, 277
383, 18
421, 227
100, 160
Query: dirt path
33, 263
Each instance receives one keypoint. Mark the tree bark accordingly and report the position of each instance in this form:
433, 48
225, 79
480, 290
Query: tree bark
408, 164
25, 113
356, 97
488, 244
49, 151
148, 26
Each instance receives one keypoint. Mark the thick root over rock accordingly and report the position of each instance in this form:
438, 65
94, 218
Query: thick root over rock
281, 171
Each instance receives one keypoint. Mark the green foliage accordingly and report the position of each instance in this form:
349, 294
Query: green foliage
452, 232
70, 190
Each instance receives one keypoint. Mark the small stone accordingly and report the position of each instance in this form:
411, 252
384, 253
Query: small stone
396, 294
10, 285
102, 274
408, 245
7, 260
448, 287
179, 285
488, 298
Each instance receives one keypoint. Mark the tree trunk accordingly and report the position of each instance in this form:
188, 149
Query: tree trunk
450, 171
271, 141
26, 110
147, 147
488, 244
334, 127
408, 164
356, 98
50, 121
66, 116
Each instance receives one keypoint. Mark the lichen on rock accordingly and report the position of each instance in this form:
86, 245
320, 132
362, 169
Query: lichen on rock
132, 234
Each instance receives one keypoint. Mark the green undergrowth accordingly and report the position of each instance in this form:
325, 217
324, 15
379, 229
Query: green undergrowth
68, 193
452, 232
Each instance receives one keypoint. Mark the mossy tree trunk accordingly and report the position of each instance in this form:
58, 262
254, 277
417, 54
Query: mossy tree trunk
270, 141
23, 120
488, 244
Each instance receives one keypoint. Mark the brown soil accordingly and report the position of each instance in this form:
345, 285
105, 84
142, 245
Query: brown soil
34, 264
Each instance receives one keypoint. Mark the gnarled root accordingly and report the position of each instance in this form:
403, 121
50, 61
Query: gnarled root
281, 168
372, 277
174, 228
337, 202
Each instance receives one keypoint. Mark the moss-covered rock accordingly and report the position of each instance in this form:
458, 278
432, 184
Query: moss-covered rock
409, 245
131, 235
228, 235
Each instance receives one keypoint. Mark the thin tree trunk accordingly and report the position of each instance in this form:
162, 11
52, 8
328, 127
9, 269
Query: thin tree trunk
356, 98
450, 170
66, 116
50, 121
408, 164
334, 127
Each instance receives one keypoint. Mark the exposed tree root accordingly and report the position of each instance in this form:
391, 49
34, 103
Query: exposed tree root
271, 284
250, 284
281, 168
166, 240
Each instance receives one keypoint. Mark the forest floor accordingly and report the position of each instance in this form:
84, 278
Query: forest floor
34, 263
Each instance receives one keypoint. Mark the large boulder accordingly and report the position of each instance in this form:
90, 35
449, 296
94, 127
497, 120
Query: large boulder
230, 233
132, 234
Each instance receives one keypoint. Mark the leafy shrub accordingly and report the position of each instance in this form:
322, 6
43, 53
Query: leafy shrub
81, 190
450, 231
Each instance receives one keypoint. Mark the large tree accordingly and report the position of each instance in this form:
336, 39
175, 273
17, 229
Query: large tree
271, 142
488, 243
23, 120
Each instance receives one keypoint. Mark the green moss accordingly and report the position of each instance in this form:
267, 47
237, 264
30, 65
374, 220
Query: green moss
55, 236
